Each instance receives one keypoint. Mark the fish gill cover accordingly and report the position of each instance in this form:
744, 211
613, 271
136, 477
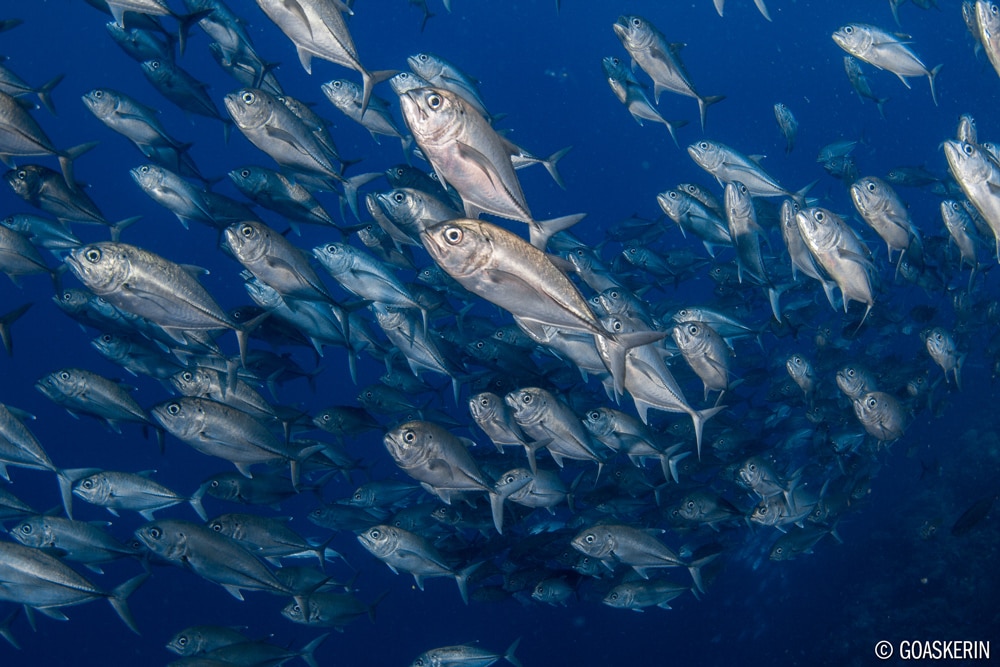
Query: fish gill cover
678, 416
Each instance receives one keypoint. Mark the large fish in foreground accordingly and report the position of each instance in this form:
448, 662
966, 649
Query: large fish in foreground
884, 50
660, 60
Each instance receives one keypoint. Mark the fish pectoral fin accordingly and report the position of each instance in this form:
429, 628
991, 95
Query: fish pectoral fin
52, 613
481, 161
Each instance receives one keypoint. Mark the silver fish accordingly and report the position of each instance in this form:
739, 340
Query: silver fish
885, 51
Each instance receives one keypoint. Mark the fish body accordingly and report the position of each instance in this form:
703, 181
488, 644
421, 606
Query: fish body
660, 60
885, 51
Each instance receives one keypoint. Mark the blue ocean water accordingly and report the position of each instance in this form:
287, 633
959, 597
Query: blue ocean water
898, 574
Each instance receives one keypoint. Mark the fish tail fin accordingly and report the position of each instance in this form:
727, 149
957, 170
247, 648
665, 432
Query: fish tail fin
369, 79
462, 579
880, 103
509, 656
704, 103
542, 230
118, 227
695, 569
186, 22
931, 76
195, 502
45, 93
119, 600
550, 165
66, 158
699, 417
351, 187
308, 651
800, 195
66, 477
672, 127
5, 323
374, 605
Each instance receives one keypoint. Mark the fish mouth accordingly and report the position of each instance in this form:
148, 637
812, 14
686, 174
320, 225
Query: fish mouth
620, 27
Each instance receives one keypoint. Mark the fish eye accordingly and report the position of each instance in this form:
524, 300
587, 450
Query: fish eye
480, 344
593, 415
214, 484
672, 194
743, 189
174, 408
871, 187
819, 216
64, 375
849, 30
613, 596
453, 235
107, 338
509, 479
154, 64
422, 57
703, 145
409, 436
636, 22
144, 169
967, 148
752, 467
93, 255
526, 399
87, 483
246, 231
22, 174
850, 372
434, 100
693, 329
337, 84
216, 526
484, 402
326, 417
589, 539
155, 533
778, 550
690, 504
872, 402
374, 533
617, 325
399, 197
248, 97
245, 173
182, 641
187, 376
26, 528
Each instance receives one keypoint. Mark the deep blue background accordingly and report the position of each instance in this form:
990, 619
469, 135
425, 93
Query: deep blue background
542, 68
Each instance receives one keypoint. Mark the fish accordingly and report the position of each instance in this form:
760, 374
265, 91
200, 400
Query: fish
988, 21
883, 417
883, 210
505, 270
837, 249
728, 165
979, 177
941, 346
213, 557
437, 459
317, 29
971, 517
862, 86
465, 655
884, 50
629, 92
660, 60
145, 284
471, 157
787, 124
402, 550
22, 136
